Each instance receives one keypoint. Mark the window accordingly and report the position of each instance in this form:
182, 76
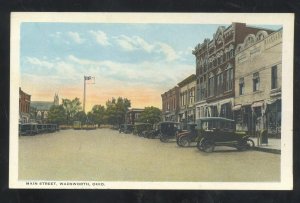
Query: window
242, 86
219, 83
274, 78
229, 81
211, 86
255, 81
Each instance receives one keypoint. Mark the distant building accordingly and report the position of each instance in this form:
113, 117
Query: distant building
132, 115
170, 104
39, 109
24, 106
187, 100
258, 83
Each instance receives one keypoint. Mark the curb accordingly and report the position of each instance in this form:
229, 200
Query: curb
274, 151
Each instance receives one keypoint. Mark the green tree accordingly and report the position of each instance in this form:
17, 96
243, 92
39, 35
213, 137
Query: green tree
80, 116
71, 107
116, 110
97, 114
56, 114
150, 115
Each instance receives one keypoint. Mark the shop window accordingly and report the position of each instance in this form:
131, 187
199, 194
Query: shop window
242, 86
255, 81
274, 83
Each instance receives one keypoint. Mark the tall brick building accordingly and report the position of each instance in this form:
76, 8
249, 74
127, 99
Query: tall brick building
187, 100
24, 106
170, 104
215, 70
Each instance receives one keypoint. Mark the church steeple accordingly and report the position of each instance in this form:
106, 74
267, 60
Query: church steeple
56, 100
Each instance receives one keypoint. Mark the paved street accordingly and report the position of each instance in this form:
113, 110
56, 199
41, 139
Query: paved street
106, 155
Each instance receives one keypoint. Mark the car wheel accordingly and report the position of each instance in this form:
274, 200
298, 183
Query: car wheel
184, 142
208, 146
163, 138
249, 143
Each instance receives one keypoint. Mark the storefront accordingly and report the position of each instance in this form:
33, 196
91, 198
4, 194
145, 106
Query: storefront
273, 114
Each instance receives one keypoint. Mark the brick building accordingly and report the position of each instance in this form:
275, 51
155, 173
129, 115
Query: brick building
187, 100
258, 82
24, 106
215, 70
132, 115
170, 104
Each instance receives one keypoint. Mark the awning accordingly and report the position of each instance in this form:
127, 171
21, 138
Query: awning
237, 107
269, 102
257, 104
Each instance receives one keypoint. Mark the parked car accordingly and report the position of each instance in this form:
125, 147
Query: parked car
218, 131
126, 128
168, 130
139, 128
28, 129
152, 133
184, 138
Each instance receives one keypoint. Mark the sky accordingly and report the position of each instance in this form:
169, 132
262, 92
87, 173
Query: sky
136, 61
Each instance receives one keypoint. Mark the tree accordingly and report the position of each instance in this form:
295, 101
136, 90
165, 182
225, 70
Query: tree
116, 110
97, 114
56, 114
80, 116
150, 115
71, 107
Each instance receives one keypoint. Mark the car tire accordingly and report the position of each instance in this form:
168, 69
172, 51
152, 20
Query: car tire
208, 146
184, 142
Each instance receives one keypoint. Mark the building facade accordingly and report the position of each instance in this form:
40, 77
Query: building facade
170, 104
258, 83
187, 100
39, 109
132, 115
24, 106
215, 70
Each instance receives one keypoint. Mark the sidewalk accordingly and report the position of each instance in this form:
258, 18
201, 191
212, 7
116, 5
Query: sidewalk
273, 146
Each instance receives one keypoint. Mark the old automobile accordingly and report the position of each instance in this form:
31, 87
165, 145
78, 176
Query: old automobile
139, 128
184, 138
126, 128
217, 131
28, 129
168, 130
152, 133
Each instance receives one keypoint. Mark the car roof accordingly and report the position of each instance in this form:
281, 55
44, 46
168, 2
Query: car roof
215, 118
165, 122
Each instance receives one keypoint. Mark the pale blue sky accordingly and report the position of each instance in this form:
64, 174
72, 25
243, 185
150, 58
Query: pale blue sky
148, 57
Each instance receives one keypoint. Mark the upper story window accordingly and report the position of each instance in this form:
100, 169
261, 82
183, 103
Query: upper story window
211, 86
219, 83
242, 86
274, 82
229, 79
255, 81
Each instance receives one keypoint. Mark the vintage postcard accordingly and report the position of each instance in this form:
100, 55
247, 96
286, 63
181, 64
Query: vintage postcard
151, 101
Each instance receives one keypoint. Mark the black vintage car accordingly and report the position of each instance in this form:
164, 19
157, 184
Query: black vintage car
152, 133
126, 128
217, 131
139, 128
168, 130
186, 137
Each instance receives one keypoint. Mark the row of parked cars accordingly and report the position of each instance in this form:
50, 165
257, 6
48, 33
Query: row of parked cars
35, 128
207, 133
